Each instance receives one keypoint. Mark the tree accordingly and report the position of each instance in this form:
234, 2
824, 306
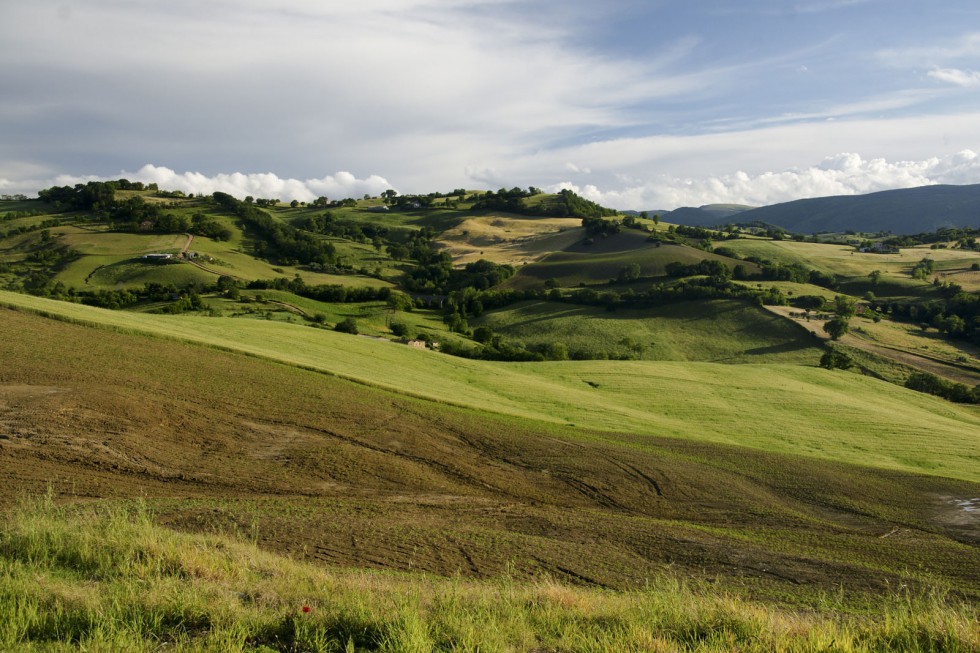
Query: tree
347, 325
483, 334
836, 327
835, 359
400, 329
844, 306
629, 272
875, 277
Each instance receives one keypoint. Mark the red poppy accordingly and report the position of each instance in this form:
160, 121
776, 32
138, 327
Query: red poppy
306, 608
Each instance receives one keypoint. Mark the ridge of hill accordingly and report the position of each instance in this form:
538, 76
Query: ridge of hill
902, 211
709, 215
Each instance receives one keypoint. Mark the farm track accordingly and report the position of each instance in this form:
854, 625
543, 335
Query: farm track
328, 470
944, 368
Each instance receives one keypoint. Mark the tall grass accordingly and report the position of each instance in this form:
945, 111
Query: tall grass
96, 578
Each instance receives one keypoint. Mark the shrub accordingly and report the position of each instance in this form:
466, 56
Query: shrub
347, 325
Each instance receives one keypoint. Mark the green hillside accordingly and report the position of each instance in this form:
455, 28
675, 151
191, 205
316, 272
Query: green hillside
723, 331
417, 499
603, 260
782, 408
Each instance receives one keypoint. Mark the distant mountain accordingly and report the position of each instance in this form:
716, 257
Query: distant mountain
905, 211
708, 215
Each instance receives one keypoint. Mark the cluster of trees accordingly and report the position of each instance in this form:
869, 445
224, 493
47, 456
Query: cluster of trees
768, 272
330, 225
505, 200
923, 269
957, 316
452, 199
565, 204
93, 196
773, 271
702, 233
835, 359
130, 214
706, 267
932, 384
333, 293
947, 234
599, 227
435, 274
276, 240
23, 229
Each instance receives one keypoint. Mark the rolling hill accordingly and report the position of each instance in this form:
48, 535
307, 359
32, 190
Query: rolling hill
683, 427
904, 211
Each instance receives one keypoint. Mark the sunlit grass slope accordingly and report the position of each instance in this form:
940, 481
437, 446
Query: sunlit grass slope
781, 408
724, 331
97, 578
604, 259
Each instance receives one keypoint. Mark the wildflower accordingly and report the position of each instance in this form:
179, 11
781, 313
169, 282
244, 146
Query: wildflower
306, 608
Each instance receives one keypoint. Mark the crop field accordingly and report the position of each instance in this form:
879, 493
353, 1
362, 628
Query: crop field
780, 408
723, 331
346, 474
515, 240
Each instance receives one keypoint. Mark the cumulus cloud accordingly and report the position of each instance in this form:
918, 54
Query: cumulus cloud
841, 174
238, 184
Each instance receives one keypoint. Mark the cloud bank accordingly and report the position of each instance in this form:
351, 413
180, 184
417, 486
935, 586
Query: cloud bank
337, 186
842, 174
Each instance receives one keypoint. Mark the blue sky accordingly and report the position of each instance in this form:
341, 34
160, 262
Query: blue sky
637, 104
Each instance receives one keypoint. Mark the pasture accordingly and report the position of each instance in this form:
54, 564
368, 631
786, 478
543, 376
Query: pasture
808, 411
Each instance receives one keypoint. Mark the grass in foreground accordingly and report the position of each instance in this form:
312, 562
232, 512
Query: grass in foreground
98, 578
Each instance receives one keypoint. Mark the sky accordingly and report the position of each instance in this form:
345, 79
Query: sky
636, 104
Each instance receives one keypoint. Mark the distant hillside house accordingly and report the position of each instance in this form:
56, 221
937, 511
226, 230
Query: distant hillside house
417, 344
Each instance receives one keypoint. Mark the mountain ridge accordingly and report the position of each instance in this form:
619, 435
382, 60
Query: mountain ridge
900, 211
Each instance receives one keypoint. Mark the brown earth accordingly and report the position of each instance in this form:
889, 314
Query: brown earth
328, 470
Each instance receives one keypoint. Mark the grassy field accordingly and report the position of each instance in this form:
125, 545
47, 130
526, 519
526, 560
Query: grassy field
504, 238
724, 331
845, 261
373, 318
345, 474
780, 408
603, 261
110, 579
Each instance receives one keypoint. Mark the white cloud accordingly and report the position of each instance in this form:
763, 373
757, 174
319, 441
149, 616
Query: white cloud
338, 186
965, 78
842, 174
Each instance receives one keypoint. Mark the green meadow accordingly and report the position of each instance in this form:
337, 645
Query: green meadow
721, 331
776, 407
102, 578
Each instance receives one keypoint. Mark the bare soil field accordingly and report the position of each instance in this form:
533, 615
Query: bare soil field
329, 470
